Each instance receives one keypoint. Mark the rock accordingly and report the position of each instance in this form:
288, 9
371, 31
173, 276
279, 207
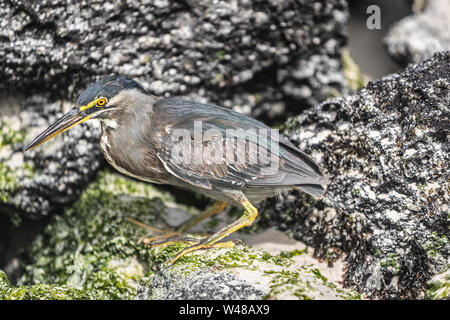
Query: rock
93, 248
240, 273
387, 152
440, 286
200, 286
419, 36
244, 54
54, 174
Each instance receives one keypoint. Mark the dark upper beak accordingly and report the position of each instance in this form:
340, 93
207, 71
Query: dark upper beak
67, 121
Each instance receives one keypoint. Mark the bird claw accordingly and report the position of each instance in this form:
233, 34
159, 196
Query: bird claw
203, 245
172, 238
166, 235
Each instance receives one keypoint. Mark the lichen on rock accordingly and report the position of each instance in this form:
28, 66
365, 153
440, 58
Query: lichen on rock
440, 286
239, 273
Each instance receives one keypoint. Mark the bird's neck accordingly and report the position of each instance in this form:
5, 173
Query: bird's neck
108, 124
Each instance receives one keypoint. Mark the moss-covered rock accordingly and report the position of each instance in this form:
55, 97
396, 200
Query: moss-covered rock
239, 273
39, 291
440, 286
353, 75
93, 248
12, 167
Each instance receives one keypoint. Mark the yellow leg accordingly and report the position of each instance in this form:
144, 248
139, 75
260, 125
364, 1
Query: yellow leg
145, 226
250, 213
169, 233
216, 208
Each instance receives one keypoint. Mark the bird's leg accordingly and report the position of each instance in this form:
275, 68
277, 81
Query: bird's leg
173, 235
216, 208
145, 226
250, 213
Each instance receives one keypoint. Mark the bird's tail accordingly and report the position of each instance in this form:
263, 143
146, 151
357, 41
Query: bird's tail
315, 190
303, 173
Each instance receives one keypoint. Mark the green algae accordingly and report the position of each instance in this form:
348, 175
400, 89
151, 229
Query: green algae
440, 287
9, 183
92, 246
10, 178
304, 283
389, 261
39, 291
435, 243
9, 136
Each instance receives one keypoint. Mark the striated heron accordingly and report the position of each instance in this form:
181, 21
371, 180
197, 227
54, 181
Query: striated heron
212, 150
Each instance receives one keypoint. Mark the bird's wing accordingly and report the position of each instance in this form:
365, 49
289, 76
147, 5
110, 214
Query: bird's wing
199, 147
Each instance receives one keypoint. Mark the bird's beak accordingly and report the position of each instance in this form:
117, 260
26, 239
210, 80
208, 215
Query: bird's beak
67, 121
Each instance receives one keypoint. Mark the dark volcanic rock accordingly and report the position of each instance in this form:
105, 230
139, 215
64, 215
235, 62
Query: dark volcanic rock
387, 152
203, 286
49, 176
417, 37
242, 54
251, 55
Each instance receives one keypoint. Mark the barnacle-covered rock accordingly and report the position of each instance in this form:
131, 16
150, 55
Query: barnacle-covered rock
420, 35
52, 175
244, 54
387, 152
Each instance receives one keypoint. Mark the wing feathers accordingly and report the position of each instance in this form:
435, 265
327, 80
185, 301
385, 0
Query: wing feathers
293, 167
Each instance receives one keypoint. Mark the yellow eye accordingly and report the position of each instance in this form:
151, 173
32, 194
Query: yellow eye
101, 102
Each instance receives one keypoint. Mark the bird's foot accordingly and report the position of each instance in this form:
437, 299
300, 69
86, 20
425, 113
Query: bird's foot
204, 245
168, 236
172, 236
146, 226
250, 213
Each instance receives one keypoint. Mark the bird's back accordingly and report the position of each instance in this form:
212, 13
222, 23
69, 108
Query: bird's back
284, 166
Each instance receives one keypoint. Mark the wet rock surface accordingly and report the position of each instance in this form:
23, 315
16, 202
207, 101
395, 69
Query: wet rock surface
420, 35
386, 150
242, 54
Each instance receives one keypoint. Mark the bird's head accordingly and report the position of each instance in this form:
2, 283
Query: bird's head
97, 101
